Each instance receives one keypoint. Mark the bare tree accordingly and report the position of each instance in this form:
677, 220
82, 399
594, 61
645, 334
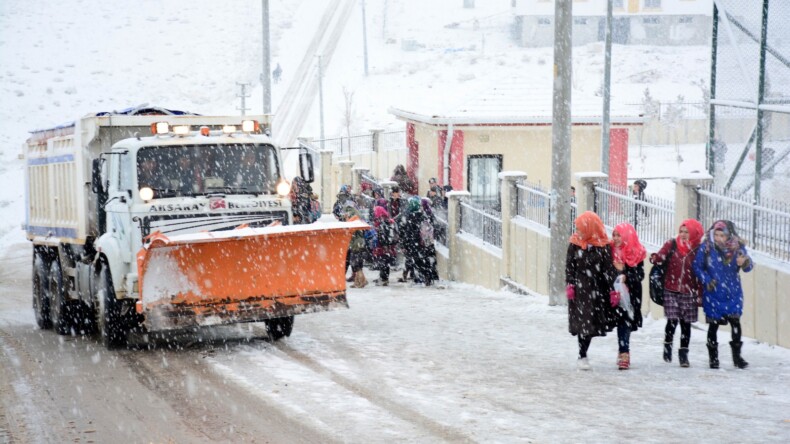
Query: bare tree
348, 114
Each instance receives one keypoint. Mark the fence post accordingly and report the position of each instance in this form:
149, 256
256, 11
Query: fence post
453, 227
326, 181
509, 202
346, 176
387, 185
375, 146
358, 172
686, 196
585, 191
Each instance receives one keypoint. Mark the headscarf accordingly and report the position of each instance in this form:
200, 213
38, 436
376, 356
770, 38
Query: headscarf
380, 213
589, 231
426, 206
414, 205
733, 242
696, 232
381, 202
630, 251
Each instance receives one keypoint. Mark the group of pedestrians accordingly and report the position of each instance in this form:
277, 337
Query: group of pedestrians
402, 232
604, 285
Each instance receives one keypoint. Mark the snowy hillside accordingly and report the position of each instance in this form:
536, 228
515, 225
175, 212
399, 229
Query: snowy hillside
62, 60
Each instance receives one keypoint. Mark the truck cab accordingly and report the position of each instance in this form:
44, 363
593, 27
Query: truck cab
182, 184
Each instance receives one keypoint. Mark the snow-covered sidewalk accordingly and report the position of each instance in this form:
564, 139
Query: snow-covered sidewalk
468, 364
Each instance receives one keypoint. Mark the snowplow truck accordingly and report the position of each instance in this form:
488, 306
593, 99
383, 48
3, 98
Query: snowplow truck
155, 220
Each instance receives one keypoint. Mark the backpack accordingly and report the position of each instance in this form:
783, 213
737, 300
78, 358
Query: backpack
357, 242
387, 233
657, 277
426, 233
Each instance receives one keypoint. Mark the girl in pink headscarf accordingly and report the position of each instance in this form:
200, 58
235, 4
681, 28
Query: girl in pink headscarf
628, 256
682, 291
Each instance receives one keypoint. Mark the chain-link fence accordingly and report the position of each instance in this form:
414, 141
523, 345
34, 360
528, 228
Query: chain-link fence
749, 151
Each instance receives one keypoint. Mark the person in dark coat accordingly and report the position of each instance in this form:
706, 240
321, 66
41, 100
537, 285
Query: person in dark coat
343, 196
589, 274
429, 248
628, 256
412, 245
682, 290
720, 258
357, 249
384, 252
404, 181
300, 195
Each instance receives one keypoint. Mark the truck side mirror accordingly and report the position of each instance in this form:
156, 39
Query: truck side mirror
306, 167
96, 182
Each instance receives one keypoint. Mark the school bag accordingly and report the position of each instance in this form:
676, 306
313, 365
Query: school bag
387, 233
426, 232
657, 277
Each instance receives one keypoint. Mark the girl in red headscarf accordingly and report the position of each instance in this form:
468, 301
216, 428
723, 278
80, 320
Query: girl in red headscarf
681, 287
628, 256
588, 277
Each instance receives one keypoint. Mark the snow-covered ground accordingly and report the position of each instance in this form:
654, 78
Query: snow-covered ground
403, 364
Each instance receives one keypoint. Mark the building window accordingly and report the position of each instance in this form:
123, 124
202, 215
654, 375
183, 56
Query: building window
617, 4
686, 19
544, 21
580, 21
652, 4
651, 20
483, 175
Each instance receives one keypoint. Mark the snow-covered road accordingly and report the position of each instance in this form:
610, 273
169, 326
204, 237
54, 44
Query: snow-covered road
468, 364
459, 364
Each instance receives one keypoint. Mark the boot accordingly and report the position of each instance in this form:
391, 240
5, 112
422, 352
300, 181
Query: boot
683, 357
736, 355
623, 361
667, 352
713, 355
359, 280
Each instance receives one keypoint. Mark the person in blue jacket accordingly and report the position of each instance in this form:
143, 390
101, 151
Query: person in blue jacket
719, 260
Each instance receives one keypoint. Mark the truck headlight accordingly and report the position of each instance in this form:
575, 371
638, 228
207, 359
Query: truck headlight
146, 193
283, 188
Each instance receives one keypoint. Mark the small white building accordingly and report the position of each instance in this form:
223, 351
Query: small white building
636, 22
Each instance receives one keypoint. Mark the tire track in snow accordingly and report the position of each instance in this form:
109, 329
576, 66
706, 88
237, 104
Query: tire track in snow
397, 409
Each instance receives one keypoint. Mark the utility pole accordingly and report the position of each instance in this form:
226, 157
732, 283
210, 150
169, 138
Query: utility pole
321, 99
365, 37
607, 82
561, 150
266, 75
243, 96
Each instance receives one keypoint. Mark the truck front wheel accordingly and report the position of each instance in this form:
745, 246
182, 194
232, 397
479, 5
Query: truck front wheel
40, 299
112, 327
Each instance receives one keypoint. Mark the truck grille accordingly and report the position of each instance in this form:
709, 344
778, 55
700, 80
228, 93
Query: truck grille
172, 225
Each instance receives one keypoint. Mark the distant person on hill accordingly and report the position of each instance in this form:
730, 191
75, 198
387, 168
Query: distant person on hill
276, 74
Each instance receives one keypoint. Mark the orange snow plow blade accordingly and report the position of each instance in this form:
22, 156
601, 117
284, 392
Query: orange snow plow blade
243, 275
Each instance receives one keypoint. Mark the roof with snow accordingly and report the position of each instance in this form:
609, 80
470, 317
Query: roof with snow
518, 103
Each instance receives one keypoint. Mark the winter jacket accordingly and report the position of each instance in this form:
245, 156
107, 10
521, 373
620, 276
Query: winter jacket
633, 280
721, 281
592, 273
679, 276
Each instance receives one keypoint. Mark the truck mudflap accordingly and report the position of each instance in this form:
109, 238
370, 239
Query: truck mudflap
242, 275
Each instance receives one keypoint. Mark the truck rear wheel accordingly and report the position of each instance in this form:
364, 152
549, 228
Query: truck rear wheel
279, 327
59, 312
112, 327
40, 299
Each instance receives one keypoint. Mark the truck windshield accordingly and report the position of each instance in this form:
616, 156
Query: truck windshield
199, 169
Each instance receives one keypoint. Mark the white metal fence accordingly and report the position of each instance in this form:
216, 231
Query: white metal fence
485, 224
653, 218
766, 227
